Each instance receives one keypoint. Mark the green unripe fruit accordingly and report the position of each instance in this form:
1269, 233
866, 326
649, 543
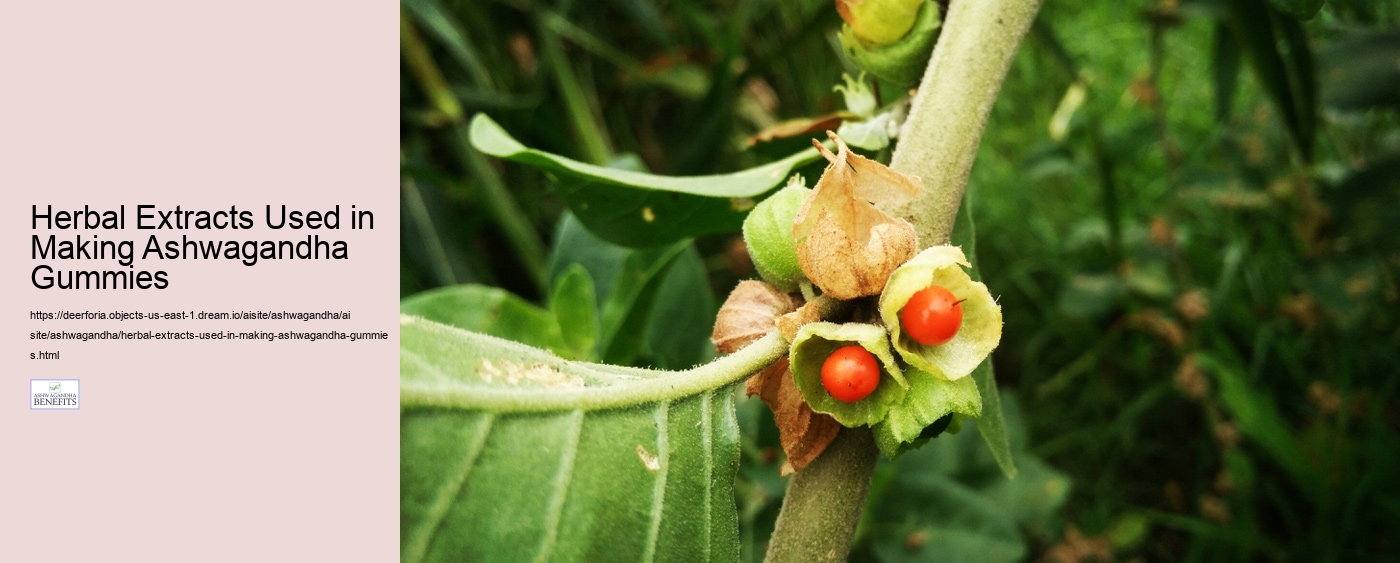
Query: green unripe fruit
879, 22
901, 62
768, 234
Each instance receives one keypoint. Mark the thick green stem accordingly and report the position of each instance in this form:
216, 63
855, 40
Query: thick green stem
940, 139
824, 501
939, 144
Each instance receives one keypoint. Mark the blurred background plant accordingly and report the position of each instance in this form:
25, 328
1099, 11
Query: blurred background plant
1187, 209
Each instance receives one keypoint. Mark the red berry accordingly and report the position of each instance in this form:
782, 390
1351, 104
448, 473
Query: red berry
932, 316
850, 374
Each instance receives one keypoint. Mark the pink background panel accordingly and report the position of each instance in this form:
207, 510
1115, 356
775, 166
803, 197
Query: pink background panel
214, 450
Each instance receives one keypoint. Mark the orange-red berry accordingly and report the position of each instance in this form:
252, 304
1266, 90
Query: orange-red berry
850, 374
932, 316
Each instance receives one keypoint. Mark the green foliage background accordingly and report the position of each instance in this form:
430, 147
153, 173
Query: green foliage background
1197, 264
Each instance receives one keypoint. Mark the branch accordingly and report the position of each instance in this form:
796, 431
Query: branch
939, 144
824, 500
940, 139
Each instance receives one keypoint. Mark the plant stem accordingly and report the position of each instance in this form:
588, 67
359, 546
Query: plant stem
824, 501
938, 144
939, 140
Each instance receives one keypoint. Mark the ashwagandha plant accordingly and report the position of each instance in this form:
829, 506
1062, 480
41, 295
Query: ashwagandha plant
870, 335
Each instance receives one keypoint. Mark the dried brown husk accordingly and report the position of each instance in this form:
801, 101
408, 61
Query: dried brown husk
845, 245
748, 313
804, 434
801, 126
790, 323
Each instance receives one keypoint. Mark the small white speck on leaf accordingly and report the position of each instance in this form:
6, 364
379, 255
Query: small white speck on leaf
651, 462
538, 373
647, 215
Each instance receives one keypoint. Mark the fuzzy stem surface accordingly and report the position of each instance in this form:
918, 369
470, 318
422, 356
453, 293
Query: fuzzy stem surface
938, 143
939, 140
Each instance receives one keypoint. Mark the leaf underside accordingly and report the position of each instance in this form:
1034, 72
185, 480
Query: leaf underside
509, 453
642, 210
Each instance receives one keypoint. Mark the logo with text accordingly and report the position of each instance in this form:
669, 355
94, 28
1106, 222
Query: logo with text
53, 394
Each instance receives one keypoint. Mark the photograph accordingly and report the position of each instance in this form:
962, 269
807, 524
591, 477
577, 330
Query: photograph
899, 281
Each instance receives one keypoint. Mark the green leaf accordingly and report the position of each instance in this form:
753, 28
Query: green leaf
509, 453
1301, 9
1258, 418
1360, 71
627, 282
929, 398
1290, 81
1225, 66
628, 308
442, 25
951, 520
991, 424
682, 314
575, 308
489, 310
642, 210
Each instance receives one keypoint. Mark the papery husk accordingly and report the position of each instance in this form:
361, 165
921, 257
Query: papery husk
804, 434
845, 245
748, 313
790, 323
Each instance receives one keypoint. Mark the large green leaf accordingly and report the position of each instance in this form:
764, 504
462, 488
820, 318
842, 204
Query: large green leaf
509, 453
637, 209
991, 424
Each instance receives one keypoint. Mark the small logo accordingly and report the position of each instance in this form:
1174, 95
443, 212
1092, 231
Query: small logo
54, 394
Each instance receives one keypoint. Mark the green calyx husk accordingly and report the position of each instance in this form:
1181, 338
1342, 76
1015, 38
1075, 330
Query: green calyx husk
768, 234
810, 349
901, 62
981, 325
929, 399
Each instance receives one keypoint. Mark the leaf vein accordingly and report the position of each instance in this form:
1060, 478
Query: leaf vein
659, 489
562, 478
428, 530
707, 439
